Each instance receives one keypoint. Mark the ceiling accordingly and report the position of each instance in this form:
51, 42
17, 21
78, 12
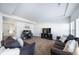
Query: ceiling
43, 12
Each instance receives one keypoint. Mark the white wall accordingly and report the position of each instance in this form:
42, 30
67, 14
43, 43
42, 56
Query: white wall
21, 26
56, 28
59, 26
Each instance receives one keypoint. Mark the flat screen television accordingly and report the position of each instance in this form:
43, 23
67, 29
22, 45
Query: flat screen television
46, 30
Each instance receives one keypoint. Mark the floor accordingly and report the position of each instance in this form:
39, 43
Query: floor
42, 47
78, 51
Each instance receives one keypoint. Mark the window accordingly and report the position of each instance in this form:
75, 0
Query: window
72, 28
77, 27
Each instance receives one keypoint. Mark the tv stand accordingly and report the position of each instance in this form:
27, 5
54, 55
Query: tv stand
46, 36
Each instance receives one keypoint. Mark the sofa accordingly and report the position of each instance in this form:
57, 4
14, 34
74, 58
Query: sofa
65, 48
26, 34
11, 46
56, 51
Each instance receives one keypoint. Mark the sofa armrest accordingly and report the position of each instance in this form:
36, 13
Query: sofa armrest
55, 51
59, 43
58, 47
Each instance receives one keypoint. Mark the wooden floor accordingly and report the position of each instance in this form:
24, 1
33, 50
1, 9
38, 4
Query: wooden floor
42, 47
77, 51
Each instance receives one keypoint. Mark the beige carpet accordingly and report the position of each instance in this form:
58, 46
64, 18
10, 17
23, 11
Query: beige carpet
42, 46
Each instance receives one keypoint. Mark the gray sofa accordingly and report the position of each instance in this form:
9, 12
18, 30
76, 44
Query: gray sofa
61, 48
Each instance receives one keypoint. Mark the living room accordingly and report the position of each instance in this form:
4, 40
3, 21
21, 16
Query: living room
45, 22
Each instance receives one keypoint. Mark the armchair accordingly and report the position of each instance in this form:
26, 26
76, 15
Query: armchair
26, 34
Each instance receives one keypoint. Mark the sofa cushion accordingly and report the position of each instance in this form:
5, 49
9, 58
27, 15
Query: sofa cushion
71, 46
11, 43
2, 49
58, 42
14, 44
70, 37
27, 49
63, 38
14, 51
56, 51
58, 47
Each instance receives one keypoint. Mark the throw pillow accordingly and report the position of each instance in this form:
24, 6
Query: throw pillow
20, 41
